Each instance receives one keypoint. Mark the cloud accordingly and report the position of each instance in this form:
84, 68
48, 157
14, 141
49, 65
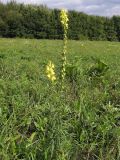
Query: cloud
95, 7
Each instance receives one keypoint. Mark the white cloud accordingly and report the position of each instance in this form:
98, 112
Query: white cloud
97, 7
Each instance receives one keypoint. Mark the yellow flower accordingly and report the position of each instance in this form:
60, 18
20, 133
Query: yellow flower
64, 21
64, 18
53, 78
50, 71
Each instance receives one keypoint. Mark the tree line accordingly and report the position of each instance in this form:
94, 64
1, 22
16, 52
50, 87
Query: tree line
40, 22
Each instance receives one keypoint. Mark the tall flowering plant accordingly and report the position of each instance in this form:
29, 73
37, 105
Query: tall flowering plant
64, 21
50, 69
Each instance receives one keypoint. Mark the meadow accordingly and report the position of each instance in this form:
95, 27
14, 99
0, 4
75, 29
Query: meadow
39, 121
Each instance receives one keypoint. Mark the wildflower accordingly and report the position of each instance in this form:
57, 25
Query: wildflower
64, 18
64, 21
50, 71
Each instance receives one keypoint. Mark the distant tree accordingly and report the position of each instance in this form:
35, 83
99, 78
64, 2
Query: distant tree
14, 23
111, 34
38, 21
116, 21
3, 28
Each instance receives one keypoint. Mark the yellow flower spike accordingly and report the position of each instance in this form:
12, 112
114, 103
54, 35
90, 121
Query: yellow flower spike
64, 18
64, 21
50, 71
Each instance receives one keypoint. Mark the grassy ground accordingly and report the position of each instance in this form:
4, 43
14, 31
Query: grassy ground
39, 121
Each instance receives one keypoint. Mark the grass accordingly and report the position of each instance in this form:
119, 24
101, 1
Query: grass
38, 121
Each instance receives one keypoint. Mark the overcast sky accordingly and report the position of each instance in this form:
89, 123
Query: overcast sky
96, 7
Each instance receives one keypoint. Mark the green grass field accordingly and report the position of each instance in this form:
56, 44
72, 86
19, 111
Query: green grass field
38, 121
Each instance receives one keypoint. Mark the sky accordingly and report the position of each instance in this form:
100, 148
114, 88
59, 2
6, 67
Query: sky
94, 7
